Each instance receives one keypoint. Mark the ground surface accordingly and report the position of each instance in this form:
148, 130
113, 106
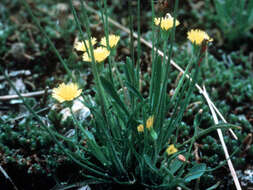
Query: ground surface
26, 153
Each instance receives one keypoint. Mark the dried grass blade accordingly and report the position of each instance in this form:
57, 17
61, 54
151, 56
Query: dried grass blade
230, 164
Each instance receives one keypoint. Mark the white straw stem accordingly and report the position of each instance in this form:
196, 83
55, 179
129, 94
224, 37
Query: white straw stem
230, 164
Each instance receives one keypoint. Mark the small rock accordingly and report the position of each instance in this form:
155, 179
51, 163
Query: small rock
20, 86
86, 187
78, 108
62, 7
18, 50
70, 133
245, 177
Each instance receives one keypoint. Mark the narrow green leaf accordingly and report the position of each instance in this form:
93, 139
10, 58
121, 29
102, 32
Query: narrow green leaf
129, 66
89, 135
149, 163
97, 152
195, 172
134, 91
153, 134
214, 186
157, 81
112, 92
175, 165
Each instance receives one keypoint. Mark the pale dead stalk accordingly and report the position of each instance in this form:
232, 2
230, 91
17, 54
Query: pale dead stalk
26, 95
230, 165
8, 177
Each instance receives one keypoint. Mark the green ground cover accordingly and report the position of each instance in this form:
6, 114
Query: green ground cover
27, 150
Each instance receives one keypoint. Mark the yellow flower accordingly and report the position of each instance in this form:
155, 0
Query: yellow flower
113, 40
198, 36
100, 54
140, 128
66, 92
171, 149
80, 46
149, 122
166, 22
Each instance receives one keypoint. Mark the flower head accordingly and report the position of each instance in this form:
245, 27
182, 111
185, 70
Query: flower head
150, 122
140, 128
100, 54
166, 22
66, 92
198, 36
171, 149
80, 46
113, 40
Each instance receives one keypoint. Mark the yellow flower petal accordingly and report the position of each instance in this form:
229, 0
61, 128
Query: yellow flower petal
86, 57
113, 40
171, 149
100, 54
150, 122
66, 92
198, 36
140, 128
166, 22
80, 46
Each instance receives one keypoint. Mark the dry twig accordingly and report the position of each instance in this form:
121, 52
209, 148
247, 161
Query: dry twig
8, 177
230, 165
26, 95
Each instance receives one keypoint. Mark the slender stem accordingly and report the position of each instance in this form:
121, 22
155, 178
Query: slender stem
131, 30
181, 81
106, 26
161, 112
35, 20
206, 131
172, 39
79, 26
76, 123
138, 43
153, 29
50, 132
153, 54
94, 68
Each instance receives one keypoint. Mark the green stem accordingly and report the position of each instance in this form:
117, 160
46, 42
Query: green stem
106, 26
206, 131
161, 112
75, 122
139, 43
35, 20
50, 132
153, 54
94, 68
161, 103
79, 26
180, 84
